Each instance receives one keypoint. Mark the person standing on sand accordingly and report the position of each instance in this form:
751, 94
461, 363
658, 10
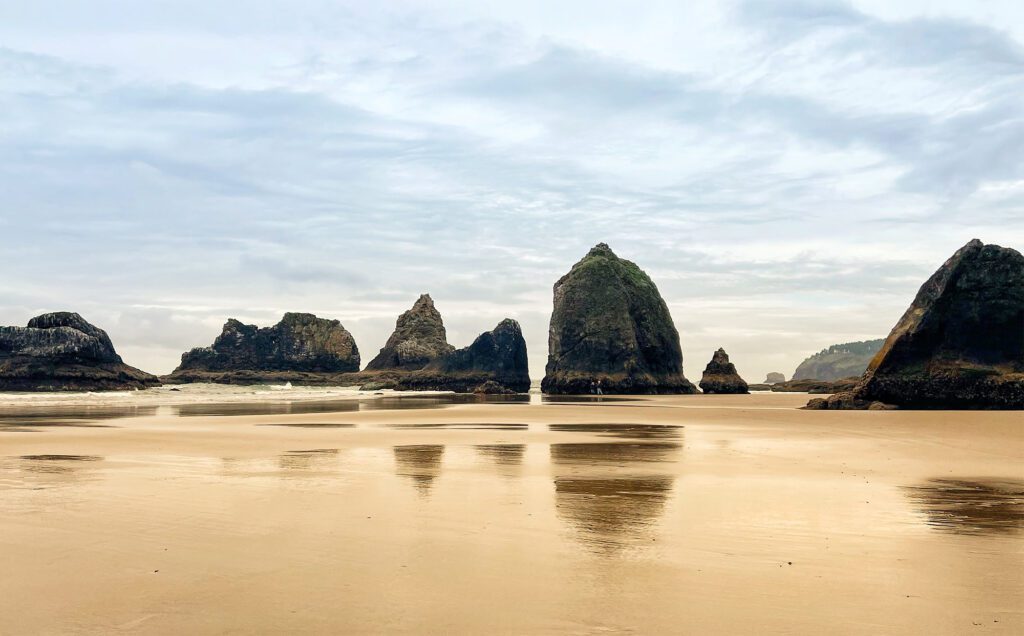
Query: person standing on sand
599, 391
593, 387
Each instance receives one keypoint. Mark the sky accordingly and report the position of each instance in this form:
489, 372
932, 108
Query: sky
787, 172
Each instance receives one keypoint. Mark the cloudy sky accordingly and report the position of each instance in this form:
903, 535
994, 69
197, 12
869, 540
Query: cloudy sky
788, 173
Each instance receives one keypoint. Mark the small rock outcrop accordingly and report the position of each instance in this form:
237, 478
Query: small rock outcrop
960, 345
610, 325
298, 344
495, 359
419, 339
62, 352
720, 376
839, 361
774, 377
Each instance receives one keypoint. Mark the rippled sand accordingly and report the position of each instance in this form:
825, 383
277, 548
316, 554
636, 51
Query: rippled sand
690, 514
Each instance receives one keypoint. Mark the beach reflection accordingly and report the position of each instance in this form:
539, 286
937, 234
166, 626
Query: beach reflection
611, 493
306, 460
421, 463
34, 420
982, 507
623, 431
506, 458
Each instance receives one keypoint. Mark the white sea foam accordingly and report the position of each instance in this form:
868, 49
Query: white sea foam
190, 394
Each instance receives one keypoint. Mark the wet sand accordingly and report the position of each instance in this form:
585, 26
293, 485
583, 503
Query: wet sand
689, 514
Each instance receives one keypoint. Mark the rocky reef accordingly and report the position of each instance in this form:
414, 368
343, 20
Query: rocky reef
960, 345
419, 339
496, 362
847, 360
774, 377
720, 376
63, 352
300, 347
808, 386
610, 325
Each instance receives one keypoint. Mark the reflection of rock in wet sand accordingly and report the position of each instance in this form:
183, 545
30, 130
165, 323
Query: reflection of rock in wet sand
604, 491
507, 458
971, 507
31, 420
266, 408
43, 471
623, 431
613, 453
419, 462
316, 458
612, 511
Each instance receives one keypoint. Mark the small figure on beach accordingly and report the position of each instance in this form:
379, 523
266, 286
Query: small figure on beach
599, 391
593, 387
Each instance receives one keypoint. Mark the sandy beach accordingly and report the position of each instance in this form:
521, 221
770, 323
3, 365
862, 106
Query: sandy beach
430, 514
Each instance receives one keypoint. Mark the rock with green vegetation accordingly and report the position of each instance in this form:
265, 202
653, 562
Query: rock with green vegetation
419, 339
299, 345
720, 376
495, 362
960, 345
61, 351
839, 361
611, 326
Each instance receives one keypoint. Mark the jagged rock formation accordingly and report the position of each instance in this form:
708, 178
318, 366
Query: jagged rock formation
419, 338
611, 325
495, 359
720, 376
847, 360
960, 345
63, 352
774, 377
299, 345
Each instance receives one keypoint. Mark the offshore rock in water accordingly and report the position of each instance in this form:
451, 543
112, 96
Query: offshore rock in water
720, 376
63, 352
774, 377
419, 339
960, 345
495, 362
298, 344
611, 325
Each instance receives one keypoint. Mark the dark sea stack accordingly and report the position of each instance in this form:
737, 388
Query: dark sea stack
720, 376
846, 360
496, 360
62, 352
960, 345
299, 344
419, 339
774, 377
611, 325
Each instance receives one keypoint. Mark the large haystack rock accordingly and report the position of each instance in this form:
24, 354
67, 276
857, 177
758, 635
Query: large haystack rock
720, 376
496, 362
774, 377
611, 325
419, 339
960, 345
62, 352
300, 343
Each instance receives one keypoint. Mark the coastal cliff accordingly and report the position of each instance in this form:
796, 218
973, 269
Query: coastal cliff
846, 360
63, 352
960, 344
611, 325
